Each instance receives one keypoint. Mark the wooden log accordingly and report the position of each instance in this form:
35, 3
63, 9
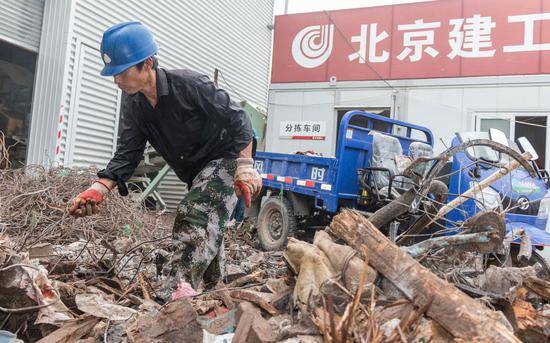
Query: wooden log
446, 241
246, 279
394, 209
71, 331
312, 266
254, 298
459, 314
532, 326
538, 286
223, 295
344, 260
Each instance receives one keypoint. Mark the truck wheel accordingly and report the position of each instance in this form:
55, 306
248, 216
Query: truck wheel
275, 221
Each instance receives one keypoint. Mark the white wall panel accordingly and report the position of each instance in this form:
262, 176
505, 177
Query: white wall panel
315, 105
283, 106
364, 98
172, 190
54, 70
93, 112
21, 22
502, 98
440, 110
310, 105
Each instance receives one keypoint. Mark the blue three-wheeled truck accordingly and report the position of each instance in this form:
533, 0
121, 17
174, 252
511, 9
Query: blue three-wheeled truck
302, 192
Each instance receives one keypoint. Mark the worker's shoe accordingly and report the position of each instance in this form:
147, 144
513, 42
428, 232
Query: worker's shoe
179, 266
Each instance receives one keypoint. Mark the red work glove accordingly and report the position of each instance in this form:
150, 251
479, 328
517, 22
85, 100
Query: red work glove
248, 182
86, 203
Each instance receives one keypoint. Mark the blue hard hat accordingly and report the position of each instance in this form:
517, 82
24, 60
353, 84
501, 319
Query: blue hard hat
125, 45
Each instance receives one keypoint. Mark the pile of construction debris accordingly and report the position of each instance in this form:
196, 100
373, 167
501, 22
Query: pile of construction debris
97, 280
34, 208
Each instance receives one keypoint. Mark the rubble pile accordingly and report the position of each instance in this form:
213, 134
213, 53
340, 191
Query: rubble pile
98, 279
34, 208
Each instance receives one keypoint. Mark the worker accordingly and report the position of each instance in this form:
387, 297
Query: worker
204, 136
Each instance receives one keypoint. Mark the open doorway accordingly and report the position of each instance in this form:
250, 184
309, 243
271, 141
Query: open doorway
534, 129
17, 68
514, 126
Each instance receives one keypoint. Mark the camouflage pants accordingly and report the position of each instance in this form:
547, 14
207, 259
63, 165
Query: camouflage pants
200, 224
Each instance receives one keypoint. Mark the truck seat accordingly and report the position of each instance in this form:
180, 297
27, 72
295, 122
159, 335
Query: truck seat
386, 151
419, 149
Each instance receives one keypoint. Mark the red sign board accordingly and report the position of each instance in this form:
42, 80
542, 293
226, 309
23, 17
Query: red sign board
446, 38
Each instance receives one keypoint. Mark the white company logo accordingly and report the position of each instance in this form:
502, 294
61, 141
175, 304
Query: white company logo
312, 45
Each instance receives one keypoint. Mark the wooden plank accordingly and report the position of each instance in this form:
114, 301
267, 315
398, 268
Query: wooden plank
72, 331
539, 286
254, 298
459, 314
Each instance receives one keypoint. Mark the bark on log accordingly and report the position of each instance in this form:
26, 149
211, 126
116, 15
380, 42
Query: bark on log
254, 298
344, 260
71, 331
459, 314
446, 241
532, 326
538, 286
312, 266
402, 204
394, 209
484, 233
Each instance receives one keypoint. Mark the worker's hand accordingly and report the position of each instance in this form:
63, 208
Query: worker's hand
86, 203
248, 182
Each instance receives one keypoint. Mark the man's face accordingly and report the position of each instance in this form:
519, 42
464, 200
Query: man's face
132, 80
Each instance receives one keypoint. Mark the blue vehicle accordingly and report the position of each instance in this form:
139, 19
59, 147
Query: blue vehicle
300, 189
367, 174
524, 199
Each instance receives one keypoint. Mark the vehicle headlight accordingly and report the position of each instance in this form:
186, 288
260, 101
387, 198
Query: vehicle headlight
488, 199
544, 207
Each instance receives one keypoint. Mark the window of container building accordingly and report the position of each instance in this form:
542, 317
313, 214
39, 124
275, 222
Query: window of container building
17, 67
514, 126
